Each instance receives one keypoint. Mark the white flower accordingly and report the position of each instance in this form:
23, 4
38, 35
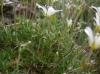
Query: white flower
96, 8
48, 11
94, 41
97, 18
68, 5
69, 22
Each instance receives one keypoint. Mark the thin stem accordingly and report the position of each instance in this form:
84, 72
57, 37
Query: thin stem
18, 60
89, 55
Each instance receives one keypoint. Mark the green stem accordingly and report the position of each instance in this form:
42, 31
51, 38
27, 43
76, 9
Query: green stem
89, 55
18, 60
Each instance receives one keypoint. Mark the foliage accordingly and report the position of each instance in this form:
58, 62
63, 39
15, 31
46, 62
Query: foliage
47, 45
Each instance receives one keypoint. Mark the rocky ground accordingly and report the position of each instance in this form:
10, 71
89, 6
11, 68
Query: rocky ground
10, 9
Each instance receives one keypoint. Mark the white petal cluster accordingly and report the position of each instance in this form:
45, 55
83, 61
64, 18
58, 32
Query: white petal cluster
48, 11
68, 5
94, 40
97, 18
69, 22
96, 8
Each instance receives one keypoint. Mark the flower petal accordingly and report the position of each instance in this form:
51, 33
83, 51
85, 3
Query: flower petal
43, 8
51, 10
97, 40
89, 32
96, 8
69, 21
93, 7
97, 19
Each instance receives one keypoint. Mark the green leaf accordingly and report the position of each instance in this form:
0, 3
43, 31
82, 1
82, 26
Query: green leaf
53, 19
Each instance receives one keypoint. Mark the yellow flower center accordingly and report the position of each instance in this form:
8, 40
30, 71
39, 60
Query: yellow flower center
47, 15
97, 28
93, 45
69, 25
